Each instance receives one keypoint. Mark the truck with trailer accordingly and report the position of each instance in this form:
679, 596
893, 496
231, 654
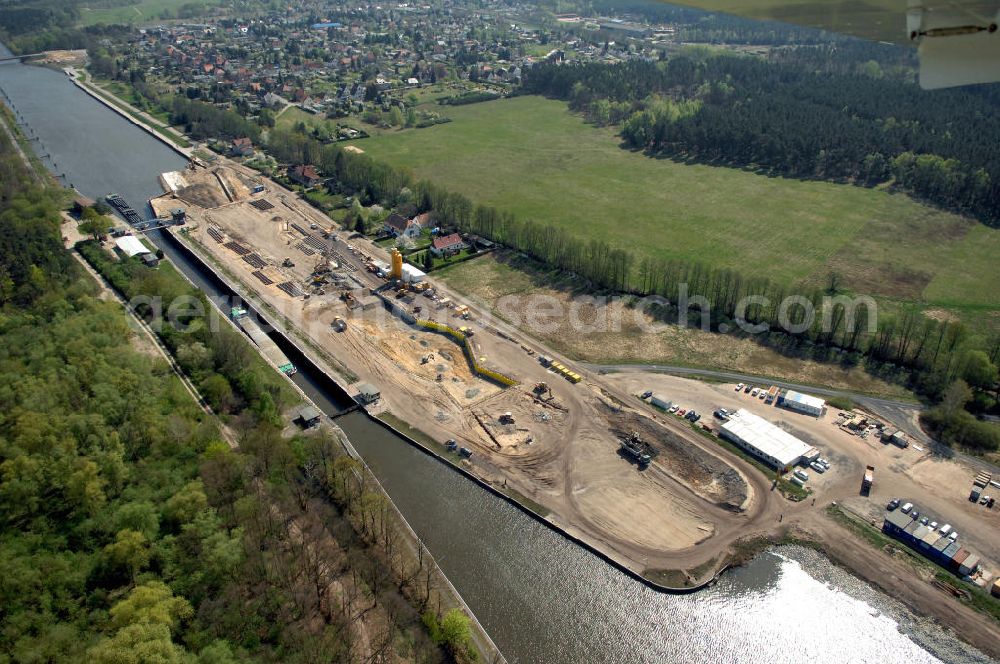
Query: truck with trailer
635, 449
868, 480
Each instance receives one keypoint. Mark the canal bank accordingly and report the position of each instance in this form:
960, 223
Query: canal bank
319, 371
541, 597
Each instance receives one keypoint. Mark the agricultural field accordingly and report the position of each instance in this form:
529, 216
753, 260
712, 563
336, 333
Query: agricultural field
535, 158
879, 20
137, 12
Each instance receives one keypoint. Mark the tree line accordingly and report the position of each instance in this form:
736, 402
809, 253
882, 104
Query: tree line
926, 354
807, 112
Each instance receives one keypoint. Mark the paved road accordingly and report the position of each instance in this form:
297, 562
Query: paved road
750, 378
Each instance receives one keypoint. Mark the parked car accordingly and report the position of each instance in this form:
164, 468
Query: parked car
914, 515
945, 529
802, 475
906, 508
452, 444
721, 414
818, 467
893, 504
984, 500
933, 525
753, 392
953, 536
647, 394
923, 521
672, 409
740, 386
761, 395
693, 416
747, 388
682, 412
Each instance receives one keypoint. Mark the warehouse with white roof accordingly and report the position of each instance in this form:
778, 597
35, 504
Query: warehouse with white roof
131, 246
802, 403
767, 442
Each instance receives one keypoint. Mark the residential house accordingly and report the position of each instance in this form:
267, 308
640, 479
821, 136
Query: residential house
305, 175
396, 224
241, 147
447, 245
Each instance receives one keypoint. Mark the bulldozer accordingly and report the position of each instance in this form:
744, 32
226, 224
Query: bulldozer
541, 389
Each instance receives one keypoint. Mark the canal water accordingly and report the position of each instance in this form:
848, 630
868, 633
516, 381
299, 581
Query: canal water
542, 598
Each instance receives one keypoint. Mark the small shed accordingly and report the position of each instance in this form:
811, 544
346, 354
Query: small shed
309, 416
149, 260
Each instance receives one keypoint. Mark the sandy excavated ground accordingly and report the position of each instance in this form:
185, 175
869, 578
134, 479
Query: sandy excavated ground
561, 451
939, 487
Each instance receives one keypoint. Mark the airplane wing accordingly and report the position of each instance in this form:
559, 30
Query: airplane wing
958, 40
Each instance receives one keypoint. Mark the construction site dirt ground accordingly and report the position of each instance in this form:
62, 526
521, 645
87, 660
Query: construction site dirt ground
938, 486
562, 450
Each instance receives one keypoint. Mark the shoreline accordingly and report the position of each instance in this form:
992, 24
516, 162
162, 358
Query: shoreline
73, 76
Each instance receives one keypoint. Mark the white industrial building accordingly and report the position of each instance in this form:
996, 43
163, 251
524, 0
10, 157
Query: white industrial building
803, 403
131, 246
412, 275
767, 442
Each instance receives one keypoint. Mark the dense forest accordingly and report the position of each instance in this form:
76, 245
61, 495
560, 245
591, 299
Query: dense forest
699, 26
132, 527
839, 112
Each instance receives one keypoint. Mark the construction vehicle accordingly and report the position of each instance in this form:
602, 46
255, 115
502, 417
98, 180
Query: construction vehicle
507, 418
541, 388
467, 331
868, 480
338, 324
633, 448
287, 263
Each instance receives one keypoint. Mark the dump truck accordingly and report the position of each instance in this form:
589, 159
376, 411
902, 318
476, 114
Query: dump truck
771, 394
633, 448
869, 479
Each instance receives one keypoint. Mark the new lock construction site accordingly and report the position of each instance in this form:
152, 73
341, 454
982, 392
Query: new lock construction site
653, 492
532, 425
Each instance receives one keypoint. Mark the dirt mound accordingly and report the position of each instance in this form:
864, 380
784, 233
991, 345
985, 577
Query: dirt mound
203, 195
705, 474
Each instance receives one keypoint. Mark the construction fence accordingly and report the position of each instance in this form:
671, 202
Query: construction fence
470, 354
